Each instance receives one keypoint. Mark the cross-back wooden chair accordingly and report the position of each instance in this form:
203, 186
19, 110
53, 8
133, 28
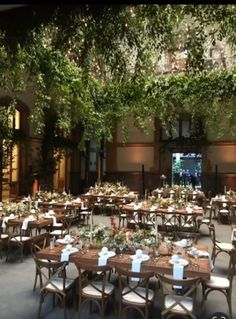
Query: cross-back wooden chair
217, 246
62, 228
207, 218
93, 286
222, 284
174, 304
37, 243
53, 276
3, 239
169, 222
134, 294
187, 222
17, 240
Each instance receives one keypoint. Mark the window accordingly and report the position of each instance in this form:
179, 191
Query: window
179, 129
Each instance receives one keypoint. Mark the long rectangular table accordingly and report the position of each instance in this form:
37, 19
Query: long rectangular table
159, 264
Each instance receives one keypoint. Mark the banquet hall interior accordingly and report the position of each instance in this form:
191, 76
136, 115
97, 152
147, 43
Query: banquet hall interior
117, 161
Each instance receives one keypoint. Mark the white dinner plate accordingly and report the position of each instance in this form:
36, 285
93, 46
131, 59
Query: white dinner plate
109, 254
182, 262
72, 250
142, 258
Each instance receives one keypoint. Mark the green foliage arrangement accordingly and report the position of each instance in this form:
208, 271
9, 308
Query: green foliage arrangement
93, 65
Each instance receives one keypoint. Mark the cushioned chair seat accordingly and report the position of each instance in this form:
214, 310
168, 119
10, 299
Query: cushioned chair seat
58, 282
133, 297
20, 238
90, 290
187, 303
218, 282
225, 246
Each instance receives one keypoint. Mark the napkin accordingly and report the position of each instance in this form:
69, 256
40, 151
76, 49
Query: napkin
203, 253
65, 256
25, 223
136, 266
102, 260
5, 219
52, 217
178, 273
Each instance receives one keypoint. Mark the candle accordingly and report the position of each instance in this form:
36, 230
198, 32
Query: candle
225, 189
156, 229
91, 227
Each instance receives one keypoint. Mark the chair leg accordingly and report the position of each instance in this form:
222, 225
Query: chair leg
40, 305
230, 306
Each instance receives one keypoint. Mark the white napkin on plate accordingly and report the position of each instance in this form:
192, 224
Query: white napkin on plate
178, 273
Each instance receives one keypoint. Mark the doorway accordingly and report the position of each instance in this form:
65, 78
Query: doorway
187, 169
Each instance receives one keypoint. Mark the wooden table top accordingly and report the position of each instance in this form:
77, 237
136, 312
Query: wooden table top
159, 264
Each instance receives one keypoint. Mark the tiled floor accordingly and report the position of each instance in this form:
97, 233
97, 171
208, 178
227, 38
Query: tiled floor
18, 301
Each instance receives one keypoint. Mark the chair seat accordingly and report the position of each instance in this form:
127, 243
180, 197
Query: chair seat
123, 215
4, 236
133, 297
57, 225
58, 282
225, 246
187, 302
224, 211
205, 220
218, 282
20, 238
85, 213
90, 290
58, 232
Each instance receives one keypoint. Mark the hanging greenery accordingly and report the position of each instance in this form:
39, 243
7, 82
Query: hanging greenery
93, 65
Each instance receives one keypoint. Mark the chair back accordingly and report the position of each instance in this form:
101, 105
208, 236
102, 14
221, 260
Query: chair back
49, 270
232, 267
90, 274
178, 300
126, 280
39, 242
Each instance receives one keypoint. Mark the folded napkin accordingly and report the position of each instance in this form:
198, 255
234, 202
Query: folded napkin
102, 260
25, 223
178, 273
54, 222
136, 266
203, 253
65, 256
5, 220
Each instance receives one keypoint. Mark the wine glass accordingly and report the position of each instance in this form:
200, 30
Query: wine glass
195, 255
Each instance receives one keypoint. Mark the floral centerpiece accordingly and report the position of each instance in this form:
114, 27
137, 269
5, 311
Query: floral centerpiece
48, 196
107, 188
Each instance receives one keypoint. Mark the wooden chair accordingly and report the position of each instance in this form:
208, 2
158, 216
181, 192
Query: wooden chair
55, 282
187, 222
3, 239
174, 304
94, 286
134, 294
218, 247
169, 222
224, 212
61, 229
37, 243
17, 240
207, 218
222, 284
